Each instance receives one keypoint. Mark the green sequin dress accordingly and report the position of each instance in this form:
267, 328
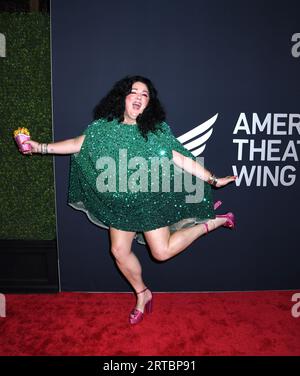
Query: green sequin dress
148, 203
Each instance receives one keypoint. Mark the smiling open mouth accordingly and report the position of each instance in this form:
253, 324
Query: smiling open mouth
136, 105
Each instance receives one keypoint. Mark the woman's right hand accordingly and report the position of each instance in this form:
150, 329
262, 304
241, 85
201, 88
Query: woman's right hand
35, 147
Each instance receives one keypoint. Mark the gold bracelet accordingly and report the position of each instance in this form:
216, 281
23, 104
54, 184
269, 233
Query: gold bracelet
212, 180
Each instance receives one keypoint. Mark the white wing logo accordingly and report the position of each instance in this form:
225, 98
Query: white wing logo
202, 133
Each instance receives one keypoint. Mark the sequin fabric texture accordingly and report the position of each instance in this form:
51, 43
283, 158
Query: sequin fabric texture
132, 210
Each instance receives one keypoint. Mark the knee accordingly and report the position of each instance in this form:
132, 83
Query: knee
119, 251
161, 254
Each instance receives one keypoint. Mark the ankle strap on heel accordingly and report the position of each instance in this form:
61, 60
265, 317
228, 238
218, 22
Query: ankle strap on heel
206, 227
142, 291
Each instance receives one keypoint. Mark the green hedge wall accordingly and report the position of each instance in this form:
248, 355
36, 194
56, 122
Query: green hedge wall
27, 196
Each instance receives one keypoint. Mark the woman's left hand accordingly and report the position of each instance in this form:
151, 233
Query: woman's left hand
224, 181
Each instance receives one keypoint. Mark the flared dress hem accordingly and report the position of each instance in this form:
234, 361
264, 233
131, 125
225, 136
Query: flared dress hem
178, 225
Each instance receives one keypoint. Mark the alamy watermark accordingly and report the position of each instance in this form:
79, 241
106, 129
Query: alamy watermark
2, 305
296, 46
295, 311
2, 45
154, 174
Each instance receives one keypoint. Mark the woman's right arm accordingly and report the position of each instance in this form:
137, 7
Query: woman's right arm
70, 146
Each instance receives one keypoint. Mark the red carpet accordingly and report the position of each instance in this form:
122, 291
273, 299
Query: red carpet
248, 323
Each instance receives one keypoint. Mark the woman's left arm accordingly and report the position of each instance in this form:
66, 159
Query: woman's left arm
196, 169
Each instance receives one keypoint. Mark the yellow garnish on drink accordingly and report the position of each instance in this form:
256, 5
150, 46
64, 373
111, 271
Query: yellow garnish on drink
21, 130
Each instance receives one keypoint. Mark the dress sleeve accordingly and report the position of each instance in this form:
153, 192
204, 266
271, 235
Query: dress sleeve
85, 133
170, 141
78, 163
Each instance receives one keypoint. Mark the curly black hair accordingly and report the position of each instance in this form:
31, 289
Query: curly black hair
112, 106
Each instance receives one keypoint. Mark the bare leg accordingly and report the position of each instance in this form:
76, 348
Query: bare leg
163, 245
128, 263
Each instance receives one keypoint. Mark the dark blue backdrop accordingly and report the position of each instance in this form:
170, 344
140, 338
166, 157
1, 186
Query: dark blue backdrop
205, 57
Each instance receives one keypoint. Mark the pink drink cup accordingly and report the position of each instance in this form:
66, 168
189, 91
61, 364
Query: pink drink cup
21, 138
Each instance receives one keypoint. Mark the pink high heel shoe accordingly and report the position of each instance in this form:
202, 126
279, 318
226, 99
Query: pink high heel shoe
230, 223
136, 315
230, 219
